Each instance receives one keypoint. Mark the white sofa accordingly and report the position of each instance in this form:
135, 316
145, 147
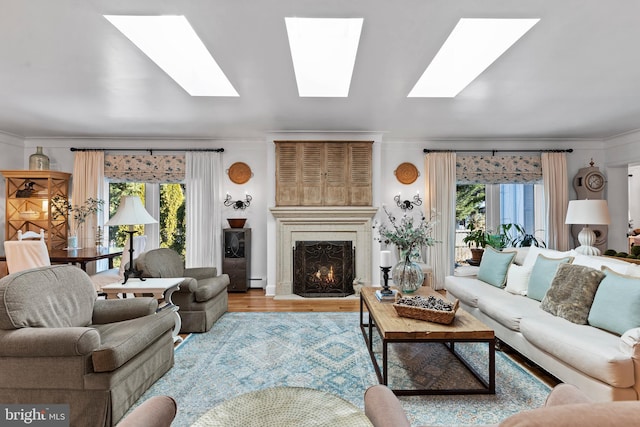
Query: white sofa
605, 365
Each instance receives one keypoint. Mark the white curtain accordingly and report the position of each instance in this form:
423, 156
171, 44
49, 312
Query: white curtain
203, 178
556, 199
441, 202
88, 182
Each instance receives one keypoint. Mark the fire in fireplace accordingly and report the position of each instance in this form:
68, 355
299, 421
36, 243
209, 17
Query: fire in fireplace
323, 268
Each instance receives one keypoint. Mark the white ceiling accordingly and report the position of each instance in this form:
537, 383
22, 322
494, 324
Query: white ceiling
65, 71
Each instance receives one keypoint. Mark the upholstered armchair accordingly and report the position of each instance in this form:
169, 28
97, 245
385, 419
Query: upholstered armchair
157, 411
59, 344
202, 297
566, 406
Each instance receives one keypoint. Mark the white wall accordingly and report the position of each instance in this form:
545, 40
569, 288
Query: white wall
12, 149
612, 156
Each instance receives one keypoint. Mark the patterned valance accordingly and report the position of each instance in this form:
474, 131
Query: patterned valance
144, 168
498, 169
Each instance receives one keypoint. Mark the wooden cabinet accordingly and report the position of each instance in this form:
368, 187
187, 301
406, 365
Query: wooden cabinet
28, 207
237, 258
323, 173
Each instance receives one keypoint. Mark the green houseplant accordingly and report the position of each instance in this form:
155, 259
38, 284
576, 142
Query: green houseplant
517, 236
478, 238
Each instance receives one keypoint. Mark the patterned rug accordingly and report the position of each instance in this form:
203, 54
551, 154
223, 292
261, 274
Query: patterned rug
244, 352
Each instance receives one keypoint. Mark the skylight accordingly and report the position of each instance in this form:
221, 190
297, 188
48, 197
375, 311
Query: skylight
174, 46
324, 53
471, 47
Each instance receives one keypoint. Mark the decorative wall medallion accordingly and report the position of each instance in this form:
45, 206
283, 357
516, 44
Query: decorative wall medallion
239, 173
407, 173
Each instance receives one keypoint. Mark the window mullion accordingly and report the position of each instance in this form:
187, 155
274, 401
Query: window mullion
152, 204
492, 201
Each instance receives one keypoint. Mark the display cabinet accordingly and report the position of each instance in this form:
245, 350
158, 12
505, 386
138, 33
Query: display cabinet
237, 258
28, 204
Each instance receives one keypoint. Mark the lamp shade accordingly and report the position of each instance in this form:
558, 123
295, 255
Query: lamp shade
594, 212
131, 212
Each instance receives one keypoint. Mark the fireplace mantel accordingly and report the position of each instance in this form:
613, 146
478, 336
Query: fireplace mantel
321, 223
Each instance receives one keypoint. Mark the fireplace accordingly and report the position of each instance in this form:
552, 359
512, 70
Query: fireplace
322, 224
323, 268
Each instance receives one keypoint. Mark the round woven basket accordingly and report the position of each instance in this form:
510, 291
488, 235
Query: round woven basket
407, 173
239, 173
284, 407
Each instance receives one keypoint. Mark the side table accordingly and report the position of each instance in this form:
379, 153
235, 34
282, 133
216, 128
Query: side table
161, 288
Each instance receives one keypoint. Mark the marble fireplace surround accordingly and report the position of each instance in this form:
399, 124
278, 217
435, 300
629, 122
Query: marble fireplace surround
321, 223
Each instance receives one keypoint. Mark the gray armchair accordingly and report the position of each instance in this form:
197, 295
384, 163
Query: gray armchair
202, 297
59, 344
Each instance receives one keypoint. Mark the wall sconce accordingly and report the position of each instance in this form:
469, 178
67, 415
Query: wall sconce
408, 204
238, 204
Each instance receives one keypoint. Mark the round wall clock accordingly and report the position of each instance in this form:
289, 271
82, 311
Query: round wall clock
589, 182
406, 173
594, 181
239, 173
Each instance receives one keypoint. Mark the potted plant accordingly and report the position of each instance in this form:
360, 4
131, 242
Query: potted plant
478, 237
517, 236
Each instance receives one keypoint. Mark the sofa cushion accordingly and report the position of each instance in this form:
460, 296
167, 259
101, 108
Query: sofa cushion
518, 279
534, 251
598, 262
615, 306
464, 289
521, 254
542, 275
590, 350
571, 292
494, 266
47, 297
121, 341
507, 309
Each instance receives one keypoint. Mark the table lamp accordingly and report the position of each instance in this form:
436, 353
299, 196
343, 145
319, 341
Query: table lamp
131, 212
594, 212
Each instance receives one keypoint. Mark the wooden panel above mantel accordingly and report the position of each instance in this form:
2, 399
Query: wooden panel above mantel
323, 173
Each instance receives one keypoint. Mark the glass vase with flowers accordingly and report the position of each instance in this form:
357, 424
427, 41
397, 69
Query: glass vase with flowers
76, 215
409, 234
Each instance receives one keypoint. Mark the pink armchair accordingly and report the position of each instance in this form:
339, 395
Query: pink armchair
566, 406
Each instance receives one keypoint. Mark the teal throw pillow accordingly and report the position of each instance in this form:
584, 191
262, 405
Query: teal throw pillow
494, 266
615, 306
542, 274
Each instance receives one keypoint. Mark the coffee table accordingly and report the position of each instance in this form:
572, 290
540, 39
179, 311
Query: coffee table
395, 329
161, 288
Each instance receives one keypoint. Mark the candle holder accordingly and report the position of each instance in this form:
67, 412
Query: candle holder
385, 275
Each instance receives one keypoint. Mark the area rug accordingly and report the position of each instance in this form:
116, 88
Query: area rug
244, 352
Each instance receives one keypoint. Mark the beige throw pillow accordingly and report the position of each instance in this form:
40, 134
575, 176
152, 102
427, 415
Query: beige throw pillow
518, 279
571, 292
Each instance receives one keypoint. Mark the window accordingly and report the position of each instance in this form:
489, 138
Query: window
488, 206
164, 201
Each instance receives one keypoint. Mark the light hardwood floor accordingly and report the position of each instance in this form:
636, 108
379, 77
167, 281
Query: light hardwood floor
255, 300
